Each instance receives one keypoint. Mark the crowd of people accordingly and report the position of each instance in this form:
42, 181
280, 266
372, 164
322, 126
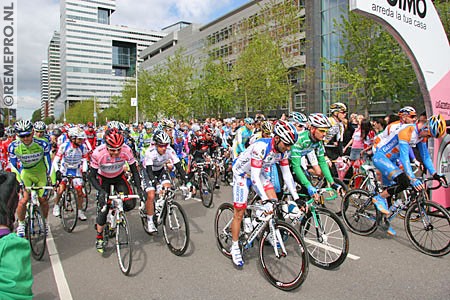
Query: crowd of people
293, 147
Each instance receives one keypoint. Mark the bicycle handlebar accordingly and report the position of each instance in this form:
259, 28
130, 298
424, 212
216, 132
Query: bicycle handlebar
435, 187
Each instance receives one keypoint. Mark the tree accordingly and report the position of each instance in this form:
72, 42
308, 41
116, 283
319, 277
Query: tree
443, 8
215, 92
81, 112
373, 67
261, 76
36, 116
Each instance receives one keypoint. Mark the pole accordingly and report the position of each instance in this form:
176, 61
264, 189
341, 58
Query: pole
137, 111
95, 111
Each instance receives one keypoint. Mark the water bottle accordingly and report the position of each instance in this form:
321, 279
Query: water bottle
248, 226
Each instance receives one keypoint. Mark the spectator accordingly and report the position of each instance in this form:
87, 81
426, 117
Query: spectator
378, 125
16, 279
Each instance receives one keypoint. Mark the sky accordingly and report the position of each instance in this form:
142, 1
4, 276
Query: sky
38, 19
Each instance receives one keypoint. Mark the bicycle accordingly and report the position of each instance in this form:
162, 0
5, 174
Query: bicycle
282, 255
422, 218
172, 217
69, 205
117, 226
324, 233
334, 199
86, 189
201, 181
35, 224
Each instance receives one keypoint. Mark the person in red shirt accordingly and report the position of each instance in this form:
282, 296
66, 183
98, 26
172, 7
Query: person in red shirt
91, 135
11, 136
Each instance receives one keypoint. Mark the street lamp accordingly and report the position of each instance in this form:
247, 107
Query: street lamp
136, 71
95, 111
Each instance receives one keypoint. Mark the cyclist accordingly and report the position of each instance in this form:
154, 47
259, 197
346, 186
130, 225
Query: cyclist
107, 163
311, 141
334, 139
40, 131
91, 135
242, 137
158, 162
4, 157
73, 156
299, 120
34, 158
145, 139
265, 132
249, 171
397, 147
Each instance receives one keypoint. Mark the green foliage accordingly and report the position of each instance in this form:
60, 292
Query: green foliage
261, 75
49, 120
81, 112
36, 116
373, 67
215, 92
443, 8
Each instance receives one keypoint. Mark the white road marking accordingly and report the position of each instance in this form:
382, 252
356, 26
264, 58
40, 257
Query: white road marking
58, 272
326, 247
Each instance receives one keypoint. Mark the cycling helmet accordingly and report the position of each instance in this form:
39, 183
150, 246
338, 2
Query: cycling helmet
286, 131
406, 111
57, 132
167, 124
437, 125
249, 121
338, 107
298, 117
291, 210
90, 125
122, 126
113, 124
39, 126
319, 120
179, 135
10, 131
77, 132
208, 129
114, 139
267, 127
23, 127
148, 125
161, 138
195, 127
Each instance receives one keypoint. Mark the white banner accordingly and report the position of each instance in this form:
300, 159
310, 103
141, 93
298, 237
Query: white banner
8, 65
133, 101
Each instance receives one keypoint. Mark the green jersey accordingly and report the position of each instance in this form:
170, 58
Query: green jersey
301, 148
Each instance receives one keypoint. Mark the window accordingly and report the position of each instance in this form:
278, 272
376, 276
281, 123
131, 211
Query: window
103, 16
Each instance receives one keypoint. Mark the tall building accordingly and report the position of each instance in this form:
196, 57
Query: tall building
44, 88
54, 73
97, 58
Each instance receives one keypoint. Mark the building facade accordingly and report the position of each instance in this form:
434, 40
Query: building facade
44, 88
96, 58
223, 39
54, 73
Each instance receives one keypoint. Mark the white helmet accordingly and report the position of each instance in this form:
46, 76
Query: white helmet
286, 131
319, 120
290, 210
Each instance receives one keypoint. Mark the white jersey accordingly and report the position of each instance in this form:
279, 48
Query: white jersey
157, 161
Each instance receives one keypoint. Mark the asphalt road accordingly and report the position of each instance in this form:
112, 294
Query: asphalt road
381, 267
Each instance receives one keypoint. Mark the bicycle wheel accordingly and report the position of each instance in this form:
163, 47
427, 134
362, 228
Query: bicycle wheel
432, 235
85, 198
358, 181
287, 271
88, 187
124, 245
176, 228
36, 232
359, 213
222, 228
327, 243
206, 192
69, 210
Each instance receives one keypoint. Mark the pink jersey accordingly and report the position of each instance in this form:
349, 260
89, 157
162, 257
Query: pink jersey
111, 167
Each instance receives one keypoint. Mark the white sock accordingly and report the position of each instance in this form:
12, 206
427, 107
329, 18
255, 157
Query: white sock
150, 218
235, 244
